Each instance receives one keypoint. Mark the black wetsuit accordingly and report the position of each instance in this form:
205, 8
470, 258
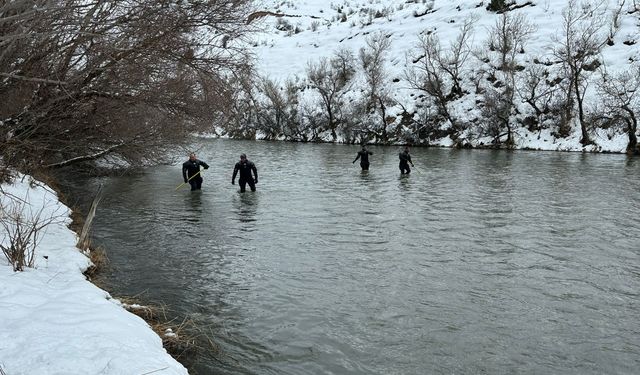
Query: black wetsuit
245, 169
405, 159
363, 155
189, 169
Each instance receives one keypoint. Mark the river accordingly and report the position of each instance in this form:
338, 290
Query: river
479, 262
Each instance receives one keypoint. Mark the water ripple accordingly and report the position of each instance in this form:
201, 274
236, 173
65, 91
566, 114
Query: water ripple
479, 262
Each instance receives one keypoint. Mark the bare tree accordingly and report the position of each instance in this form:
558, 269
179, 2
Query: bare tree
241, 117
452, 62
330, 83
92, 77
506, 38
536, 89
426, 76
272, 112
377, 98
578, 48
438, 73
343, 62
293, 128
278, 113
620, 96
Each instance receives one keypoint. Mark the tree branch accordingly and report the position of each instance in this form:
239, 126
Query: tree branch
84, 157
32, 79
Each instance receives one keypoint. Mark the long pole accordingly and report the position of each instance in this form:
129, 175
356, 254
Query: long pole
182, 184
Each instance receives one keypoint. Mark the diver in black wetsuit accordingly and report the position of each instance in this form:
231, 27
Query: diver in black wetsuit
363, 155
405, 159
244, 166
191, 172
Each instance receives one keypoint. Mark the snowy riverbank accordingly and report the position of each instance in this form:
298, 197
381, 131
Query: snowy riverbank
54, 321
604, 141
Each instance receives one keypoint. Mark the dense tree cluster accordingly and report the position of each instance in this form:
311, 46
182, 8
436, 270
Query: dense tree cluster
81, 79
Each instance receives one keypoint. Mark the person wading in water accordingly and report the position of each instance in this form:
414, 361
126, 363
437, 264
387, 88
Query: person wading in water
191, 172
405, 160
363, 155
244, 166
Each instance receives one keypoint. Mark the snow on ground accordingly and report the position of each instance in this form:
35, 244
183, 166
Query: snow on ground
312, 29
54, 321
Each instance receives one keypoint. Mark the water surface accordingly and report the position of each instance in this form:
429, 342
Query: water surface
479, 262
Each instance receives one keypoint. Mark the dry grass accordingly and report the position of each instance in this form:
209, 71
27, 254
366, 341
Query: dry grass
183, 339
77, 217
99, 260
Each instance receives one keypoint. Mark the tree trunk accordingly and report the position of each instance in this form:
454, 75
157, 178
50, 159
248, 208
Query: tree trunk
583, 127
632, 147
385, 136
510, 141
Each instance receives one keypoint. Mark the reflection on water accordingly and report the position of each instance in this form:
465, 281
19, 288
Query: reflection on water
477, 262
246, 205
193, 206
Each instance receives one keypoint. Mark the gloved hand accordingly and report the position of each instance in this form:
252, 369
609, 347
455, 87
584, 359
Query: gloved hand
353, 162
233, 182
185, 180
256, 180
206, 167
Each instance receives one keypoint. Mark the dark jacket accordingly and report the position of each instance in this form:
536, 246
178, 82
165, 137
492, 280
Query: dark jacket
364, 154
405, 158
245, 169
191, 167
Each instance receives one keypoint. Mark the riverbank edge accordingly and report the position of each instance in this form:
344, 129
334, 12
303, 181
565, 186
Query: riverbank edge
602, 141
162, 327
150, 311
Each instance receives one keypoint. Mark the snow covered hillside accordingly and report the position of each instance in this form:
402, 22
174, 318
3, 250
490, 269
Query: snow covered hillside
531, 75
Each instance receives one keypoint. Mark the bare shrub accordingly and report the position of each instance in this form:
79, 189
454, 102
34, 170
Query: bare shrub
426, 127
496, 113
22, 230
536, 89
180, 337
496, 5
508, 37
283, 24
620, 97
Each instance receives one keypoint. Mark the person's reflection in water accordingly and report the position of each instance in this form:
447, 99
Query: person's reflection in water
246, 206
364, 176
404, 182
193, 208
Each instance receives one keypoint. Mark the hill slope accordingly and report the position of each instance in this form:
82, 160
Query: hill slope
299, 33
